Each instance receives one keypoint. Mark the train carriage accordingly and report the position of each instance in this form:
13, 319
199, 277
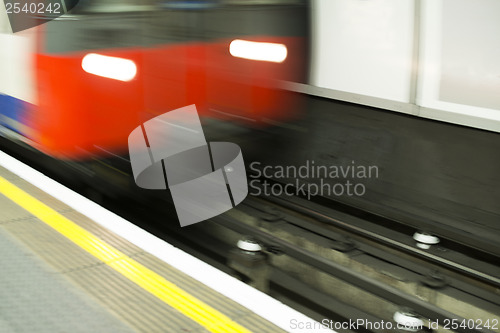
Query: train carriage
78, 84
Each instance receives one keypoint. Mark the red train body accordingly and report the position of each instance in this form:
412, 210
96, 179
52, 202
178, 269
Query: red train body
79, 115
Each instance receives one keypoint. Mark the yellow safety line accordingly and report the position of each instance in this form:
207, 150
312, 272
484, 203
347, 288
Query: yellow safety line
165, 290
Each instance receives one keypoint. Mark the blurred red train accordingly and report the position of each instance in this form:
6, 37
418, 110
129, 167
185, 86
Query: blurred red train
105, 67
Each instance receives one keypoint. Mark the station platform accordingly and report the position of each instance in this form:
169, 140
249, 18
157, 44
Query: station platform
63, 272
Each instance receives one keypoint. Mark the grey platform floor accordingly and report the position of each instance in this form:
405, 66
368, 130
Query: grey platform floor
36, 298
49, 284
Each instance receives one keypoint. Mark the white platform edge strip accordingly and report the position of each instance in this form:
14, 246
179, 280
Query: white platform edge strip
256, 301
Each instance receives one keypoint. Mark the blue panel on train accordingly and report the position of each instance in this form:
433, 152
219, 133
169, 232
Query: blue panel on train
12, 112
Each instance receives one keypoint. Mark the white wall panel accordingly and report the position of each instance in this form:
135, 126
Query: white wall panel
17, 77
4, 21
460, 57
364, 47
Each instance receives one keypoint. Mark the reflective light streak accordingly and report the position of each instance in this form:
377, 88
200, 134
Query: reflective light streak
110, 67
272, 52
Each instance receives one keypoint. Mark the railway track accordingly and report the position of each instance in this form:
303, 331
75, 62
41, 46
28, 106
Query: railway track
447, 254
306, 250
411, 267
334, 262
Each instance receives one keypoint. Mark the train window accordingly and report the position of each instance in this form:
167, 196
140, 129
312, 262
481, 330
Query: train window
112, 6
207, 3
264, 2
109, 6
